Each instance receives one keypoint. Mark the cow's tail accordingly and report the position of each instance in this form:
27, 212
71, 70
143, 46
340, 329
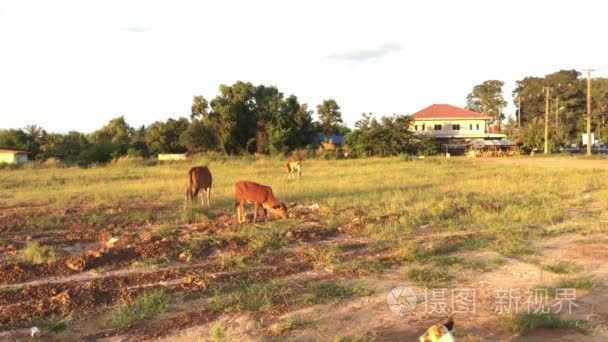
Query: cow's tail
189, 184
288, 167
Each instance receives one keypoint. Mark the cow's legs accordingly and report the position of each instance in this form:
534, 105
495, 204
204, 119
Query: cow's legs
209, 196
240, 212
256, 212
186, 199
194, 195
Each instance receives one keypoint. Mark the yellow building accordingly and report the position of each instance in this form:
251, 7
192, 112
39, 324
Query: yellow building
445, 122
172, 156
11, 156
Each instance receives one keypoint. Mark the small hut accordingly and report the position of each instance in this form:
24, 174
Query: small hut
492, 148
172, 156
12, 156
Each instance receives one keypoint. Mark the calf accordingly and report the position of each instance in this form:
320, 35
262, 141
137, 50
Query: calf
199, 177
439, 332
292, 167
260, 195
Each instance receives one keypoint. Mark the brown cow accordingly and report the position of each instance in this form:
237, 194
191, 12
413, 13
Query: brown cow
292, 167
260, 195
199, 177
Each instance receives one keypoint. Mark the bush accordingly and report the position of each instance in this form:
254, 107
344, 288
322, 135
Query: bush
128, 160
100, 153
35, 254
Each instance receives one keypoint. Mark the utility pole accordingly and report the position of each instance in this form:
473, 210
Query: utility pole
556, 116
547, 91
518, 111
588, 110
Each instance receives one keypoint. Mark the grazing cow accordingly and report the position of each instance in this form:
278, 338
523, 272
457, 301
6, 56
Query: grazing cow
292, 167
260, 195
199, 177
439, 332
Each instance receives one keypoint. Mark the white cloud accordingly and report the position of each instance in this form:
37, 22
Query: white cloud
137, 29
361, 55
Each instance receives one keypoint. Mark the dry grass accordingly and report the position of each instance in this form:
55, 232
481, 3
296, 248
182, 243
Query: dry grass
427, 213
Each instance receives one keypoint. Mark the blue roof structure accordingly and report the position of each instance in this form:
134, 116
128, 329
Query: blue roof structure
336, 139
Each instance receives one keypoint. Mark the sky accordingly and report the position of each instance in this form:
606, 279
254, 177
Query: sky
74, 65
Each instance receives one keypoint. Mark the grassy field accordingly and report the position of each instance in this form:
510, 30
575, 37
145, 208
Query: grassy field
431, 223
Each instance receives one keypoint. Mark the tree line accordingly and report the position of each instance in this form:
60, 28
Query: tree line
567, 115
244, 119
241, 119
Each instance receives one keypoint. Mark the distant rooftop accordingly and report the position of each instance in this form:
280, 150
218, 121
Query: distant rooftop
446, 111
13, 151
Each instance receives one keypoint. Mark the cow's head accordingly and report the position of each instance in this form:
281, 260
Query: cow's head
280, 210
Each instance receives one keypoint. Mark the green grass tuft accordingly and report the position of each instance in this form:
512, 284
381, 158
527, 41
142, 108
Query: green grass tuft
562, 268
217, 332
325, 257
145, 306
233, 261
579, 284
293, 322
522, 324
162, 232
248, 296
327, 291
194, 214
430, 277
451, 261
149, 263
34, 253
53, 323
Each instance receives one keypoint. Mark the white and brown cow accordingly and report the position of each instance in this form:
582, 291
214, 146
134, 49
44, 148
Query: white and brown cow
261, 196
292, 167
439, 332
199, 177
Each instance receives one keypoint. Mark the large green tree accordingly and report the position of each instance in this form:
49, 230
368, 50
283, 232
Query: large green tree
487, 98
118, 133
599, 101
329, 116
232, 114
248, 118
166, 137
200, 107
66, 147
389, 136
14, 138
567, 92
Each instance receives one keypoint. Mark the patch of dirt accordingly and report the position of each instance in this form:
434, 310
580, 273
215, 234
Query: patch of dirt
91, 275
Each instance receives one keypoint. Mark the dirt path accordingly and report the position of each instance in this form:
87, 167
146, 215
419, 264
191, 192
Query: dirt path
368, 316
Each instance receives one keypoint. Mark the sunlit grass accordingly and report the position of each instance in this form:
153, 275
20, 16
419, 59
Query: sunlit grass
502, 203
